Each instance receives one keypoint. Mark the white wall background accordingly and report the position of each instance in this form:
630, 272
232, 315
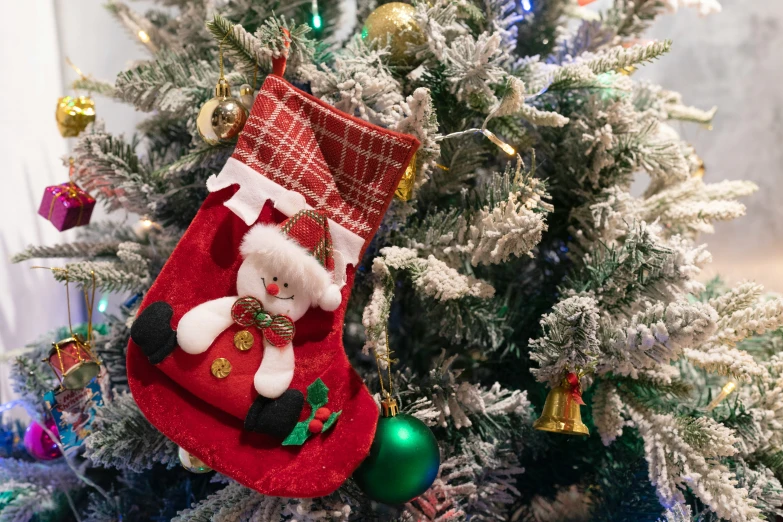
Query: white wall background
733, 60
32, 79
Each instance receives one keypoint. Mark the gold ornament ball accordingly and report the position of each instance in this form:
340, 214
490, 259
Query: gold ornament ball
393, 24
228, 118
222, 117
73, 114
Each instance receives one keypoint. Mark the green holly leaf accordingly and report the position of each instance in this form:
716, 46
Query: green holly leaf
331, 420
317, 394
298, 435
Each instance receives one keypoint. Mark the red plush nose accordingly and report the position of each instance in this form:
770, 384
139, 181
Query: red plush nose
272, 289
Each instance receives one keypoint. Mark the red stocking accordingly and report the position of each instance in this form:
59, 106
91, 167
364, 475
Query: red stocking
240, 336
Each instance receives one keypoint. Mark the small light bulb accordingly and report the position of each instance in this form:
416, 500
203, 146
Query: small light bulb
317, 21
725, 392
505, 147
526, 5
143, 36
146, 223
103, 304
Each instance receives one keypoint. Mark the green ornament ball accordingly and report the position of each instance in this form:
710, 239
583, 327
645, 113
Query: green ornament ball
403, 461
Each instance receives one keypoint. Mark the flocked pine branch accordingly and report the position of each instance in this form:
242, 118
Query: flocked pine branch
622, 58
167, 83
26, 502
140, 28
569, 340
431, 278
205, 157
444, 399
684, 453
94, 86
56, 476
68, 250
504, 220
274, 39
109, 165
122, 438
130, 272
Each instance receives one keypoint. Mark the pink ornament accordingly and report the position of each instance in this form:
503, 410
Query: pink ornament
66, 206
38, 444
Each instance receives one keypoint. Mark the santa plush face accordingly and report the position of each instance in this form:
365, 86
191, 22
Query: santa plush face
283, 275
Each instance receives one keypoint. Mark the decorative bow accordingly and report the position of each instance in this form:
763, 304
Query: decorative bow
574, 388
278, 330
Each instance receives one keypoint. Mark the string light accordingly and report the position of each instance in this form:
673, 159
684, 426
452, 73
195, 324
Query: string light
103, 304
526, 5
725, 392
143, 36
317, 21
145, 226
505, 147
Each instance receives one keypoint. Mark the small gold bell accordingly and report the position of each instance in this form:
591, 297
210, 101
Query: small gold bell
561, 413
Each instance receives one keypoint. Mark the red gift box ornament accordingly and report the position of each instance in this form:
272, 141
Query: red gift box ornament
66, 205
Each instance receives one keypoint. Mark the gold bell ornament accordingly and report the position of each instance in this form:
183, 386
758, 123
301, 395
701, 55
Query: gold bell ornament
222, 117
561, 411
395, 25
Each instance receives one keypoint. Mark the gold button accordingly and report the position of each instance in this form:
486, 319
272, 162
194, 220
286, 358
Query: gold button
243, 340
221, 368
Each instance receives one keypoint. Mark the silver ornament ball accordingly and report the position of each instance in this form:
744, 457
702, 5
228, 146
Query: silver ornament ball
192, 463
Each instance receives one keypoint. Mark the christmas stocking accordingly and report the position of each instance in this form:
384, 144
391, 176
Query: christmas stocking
236, 354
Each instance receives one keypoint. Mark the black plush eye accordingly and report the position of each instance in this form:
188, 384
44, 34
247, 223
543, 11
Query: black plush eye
274, 279
286, 285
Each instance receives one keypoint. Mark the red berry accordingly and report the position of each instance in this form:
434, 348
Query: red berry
322, 414
315, 426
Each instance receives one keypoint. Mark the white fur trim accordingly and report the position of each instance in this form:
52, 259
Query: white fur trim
276, 371
280, 251
255, 190
201, 325
331, 299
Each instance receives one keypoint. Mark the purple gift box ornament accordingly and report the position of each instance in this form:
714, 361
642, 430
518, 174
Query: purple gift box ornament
66, 205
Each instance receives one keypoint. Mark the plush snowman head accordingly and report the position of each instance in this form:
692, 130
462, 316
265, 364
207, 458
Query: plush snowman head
289, 267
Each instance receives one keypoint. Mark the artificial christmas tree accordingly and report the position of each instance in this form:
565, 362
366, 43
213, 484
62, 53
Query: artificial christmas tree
515, 261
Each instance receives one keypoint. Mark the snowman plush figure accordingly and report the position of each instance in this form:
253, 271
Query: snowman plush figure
286, 269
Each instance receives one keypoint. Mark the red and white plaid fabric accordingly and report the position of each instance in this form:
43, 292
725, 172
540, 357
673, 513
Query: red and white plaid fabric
343, 166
